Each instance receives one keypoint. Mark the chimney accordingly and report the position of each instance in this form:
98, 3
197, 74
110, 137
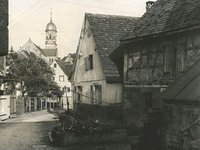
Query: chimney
149, 4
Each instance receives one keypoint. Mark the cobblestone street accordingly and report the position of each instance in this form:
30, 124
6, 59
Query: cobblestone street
31, 132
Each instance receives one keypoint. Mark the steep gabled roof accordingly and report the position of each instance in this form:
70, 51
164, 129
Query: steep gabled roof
107, 30
50, 52
67, 69
187, 87
165, 16
27, 47
73, 55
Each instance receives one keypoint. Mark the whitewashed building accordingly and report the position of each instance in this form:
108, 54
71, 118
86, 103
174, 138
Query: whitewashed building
62, 72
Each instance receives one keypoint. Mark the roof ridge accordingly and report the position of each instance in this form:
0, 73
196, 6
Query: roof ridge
108, 15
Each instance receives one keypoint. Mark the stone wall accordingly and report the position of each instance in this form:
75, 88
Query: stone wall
3, 27
137, 106
180, 129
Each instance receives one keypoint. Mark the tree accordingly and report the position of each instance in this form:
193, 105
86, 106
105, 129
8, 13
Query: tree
35, 73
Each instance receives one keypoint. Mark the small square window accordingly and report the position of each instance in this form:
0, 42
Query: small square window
61, 78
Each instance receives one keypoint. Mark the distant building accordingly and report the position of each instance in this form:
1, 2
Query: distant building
50, 51
69, 59
29, 46
62, 72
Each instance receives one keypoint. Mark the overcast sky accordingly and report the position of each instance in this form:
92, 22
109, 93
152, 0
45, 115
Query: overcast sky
28, 19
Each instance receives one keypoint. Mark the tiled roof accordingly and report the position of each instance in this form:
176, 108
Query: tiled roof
167, 15
50, 52
73, 55
40, 49
67, 69
187, 87
27, 47
107, 30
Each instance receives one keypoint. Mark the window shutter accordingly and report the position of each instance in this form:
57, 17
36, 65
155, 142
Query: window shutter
87, 64
91, 61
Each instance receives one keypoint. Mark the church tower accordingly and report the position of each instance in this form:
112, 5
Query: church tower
51, 35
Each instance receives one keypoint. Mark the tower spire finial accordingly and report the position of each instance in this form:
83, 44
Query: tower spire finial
51, 15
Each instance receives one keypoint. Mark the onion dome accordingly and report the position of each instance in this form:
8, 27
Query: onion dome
51, 26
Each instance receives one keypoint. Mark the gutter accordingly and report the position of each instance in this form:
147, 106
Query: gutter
161, 34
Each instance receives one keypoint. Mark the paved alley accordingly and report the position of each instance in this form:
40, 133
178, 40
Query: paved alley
31, 132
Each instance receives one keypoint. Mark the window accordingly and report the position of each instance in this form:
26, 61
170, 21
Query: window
61, 78
133, 60
89, 62
144, 61
92, 93
181, 57
79, 94
167, 59
88, 32
50, 60
96, 93
68, 89
55, 65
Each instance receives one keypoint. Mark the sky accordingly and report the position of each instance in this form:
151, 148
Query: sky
28, 19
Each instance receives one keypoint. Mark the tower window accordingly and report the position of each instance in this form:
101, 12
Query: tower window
55, 65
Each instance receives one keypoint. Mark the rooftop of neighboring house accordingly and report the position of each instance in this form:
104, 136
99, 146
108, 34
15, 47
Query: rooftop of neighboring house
69, 57
187, 87
45, 52
50, 52
27, 47
107, 30
166, 16
67, 69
